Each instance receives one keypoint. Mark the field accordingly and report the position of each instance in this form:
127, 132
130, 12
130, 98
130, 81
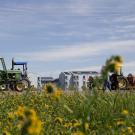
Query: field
41, 113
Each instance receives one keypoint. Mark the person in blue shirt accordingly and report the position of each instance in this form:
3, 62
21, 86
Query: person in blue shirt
107, 83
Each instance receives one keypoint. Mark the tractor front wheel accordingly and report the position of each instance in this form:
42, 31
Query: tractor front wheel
19, 86
3, 87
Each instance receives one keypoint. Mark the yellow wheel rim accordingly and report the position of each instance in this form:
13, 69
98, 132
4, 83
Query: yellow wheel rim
122, 83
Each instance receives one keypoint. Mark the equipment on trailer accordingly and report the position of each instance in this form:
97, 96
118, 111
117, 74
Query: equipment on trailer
131, 81
23, 64
118, 82
11, 79
121, 82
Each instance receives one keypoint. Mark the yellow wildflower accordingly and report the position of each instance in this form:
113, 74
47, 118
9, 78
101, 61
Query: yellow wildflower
19, 125
20, 111
30, 123
120, 123
68, 124
35, 127
58, 120
76, 124
32, 114
6, 132
123, 130
78, 133
10, 115
74, 121
86, 125
125, 112
57, 94
130, 130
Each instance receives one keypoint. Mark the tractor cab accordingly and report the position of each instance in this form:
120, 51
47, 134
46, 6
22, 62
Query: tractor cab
23, 68
22, 65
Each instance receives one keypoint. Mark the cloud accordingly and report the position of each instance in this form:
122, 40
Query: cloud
88, 68
130, 64
80, 7
67, 20
129, 67
76, 7
80, 51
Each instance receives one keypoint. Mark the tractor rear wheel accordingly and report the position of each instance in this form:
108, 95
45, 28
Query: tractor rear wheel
122, 83
3, 87
26, 83
19, 86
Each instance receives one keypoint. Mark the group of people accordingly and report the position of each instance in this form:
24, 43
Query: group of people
111, 82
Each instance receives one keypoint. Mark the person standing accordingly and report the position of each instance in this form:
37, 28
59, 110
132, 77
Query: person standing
107, 84
114, 81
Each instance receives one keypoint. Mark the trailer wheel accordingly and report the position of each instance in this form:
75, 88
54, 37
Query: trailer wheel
19, 86
122, 83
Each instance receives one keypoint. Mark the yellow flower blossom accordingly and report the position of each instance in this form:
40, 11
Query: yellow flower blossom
19, 125
68, 124
86, 125
58, 120
57, 94
30, 123
125, 112
130, 130
10, 115
78, 133
5, 132
35, 127
31, 114
123, 130
120, 123
76, 124
20, 111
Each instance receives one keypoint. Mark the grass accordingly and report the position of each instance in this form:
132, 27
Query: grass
59, 113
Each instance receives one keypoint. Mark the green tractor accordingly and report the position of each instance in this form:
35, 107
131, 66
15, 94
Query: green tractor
11, 79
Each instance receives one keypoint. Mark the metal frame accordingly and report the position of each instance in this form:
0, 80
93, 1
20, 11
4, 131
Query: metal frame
3, 64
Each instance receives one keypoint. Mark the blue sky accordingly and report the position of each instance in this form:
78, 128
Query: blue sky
61, 35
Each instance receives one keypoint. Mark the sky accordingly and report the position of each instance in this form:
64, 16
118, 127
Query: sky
65, 35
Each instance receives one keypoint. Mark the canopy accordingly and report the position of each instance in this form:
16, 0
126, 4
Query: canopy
20, 63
